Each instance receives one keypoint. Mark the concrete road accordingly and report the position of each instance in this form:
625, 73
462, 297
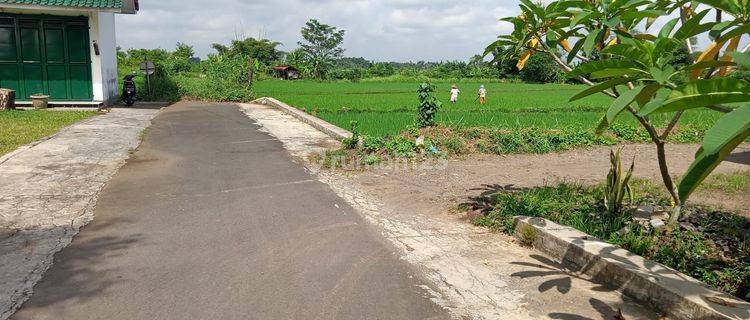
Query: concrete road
211, 219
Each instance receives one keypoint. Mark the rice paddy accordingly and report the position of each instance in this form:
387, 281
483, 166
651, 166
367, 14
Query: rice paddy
388, 108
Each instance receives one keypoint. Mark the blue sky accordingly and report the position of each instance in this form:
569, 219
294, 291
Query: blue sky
382, 30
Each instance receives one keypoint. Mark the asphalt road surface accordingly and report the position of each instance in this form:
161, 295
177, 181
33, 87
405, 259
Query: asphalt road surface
211, 219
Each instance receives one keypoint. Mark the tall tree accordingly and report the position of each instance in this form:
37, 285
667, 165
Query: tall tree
183, 50
322, 45
265, 51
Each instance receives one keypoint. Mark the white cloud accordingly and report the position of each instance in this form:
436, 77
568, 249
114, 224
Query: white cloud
400, 30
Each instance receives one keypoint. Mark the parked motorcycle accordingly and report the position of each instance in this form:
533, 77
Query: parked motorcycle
128, 90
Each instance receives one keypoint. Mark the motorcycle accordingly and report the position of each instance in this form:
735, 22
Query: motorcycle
128, 90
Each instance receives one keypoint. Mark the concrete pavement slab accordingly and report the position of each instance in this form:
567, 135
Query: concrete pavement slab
47, 192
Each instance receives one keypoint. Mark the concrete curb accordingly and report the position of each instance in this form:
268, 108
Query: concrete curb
317, 123
678, 295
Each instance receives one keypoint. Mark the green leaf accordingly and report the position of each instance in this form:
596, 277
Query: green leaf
575, 49
708, 64
609, 73
725, 5
703, 93
693, 26
602, 126
622, 102
742, 58
626, 51
647, 94
739, 31
666, 30
664, 75
599, 88
719, 142
650, 106
591, 40
601, 65
580, 17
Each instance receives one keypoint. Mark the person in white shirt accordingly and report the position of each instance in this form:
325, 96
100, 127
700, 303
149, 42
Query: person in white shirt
482, 95
454, 94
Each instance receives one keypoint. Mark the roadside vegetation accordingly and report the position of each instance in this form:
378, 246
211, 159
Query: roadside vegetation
19, 127
710, 245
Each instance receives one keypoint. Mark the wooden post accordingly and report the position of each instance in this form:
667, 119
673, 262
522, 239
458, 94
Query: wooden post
7, 99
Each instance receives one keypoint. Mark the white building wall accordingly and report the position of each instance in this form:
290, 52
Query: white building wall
103, 65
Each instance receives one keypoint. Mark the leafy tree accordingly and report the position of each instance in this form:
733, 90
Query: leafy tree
350, 62
184, 51
638, 71
322, 45
381, 69
540, 69
262, 50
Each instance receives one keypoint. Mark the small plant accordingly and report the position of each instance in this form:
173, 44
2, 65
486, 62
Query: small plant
351, 143
372, 144
428, 105
528, 235
618, 184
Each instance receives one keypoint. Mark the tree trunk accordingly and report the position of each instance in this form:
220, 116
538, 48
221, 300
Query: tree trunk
7, 99
668, 182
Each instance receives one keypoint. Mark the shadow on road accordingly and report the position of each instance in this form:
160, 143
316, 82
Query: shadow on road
76, 274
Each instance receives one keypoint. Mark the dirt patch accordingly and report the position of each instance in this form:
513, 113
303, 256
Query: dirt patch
436, 191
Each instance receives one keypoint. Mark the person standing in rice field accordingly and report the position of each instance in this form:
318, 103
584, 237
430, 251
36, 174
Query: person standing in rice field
454, 94
482, 95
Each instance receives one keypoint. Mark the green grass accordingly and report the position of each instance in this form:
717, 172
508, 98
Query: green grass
388, 108
19, 127
734, 183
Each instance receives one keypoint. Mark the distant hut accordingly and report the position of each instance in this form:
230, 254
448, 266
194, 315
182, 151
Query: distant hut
287, 72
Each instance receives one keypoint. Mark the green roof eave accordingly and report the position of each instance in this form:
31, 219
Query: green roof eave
118, 6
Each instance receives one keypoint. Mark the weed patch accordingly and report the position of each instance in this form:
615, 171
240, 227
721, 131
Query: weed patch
712, 246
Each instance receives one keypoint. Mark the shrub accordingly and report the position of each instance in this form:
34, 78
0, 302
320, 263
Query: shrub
225, 79
351, 142
428, 105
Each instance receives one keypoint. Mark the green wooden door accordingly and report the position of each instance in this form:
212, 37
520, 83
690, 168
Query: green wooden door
45, 54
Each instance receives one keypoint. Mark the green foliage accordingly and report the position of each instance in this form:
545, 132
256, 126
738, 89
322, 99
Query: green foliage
321, 46
635, 67
372, 144
618, 185
541, 69
428, 105
351, 142
220, 78
729, 132
183, 51
262, 50
224, 78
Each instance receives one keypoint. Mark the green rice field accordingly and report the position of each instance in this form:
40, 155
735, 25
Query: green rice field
388, 108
